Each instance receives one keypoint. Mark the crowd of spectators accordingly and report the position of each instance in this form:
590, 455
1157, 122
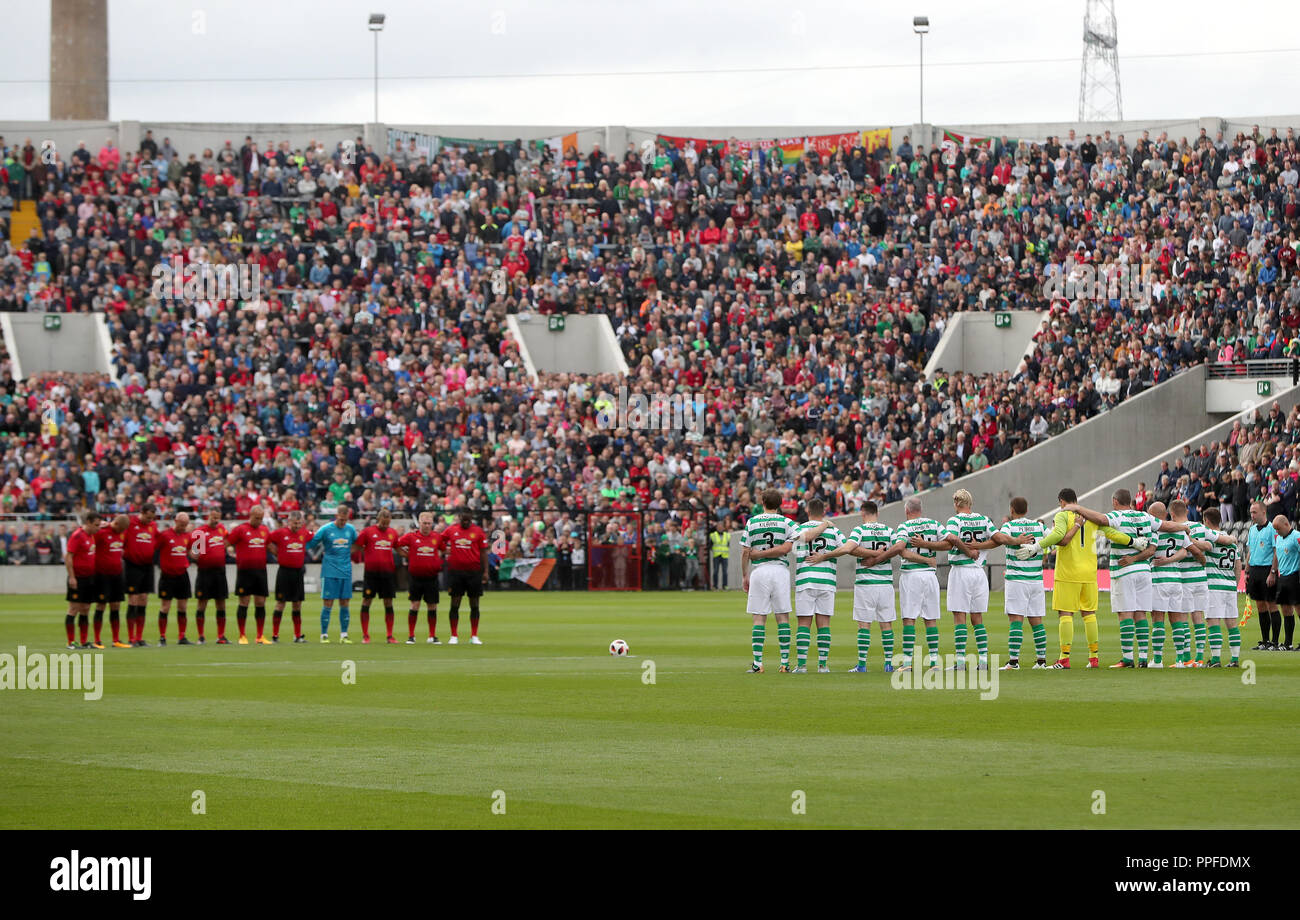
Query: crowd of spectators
801, 299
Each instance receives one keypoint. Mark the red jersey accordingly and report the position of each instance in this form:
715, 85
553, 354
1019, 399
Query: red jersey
424, 553
211, 541
141, 542
290, 546
465, 547
250, 545
81, 549
174, 549
108, 551
378, 545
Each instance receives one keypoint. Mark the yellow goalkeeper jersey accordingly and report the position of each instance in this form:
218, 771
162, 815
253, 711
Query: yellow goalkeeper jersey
1077, 560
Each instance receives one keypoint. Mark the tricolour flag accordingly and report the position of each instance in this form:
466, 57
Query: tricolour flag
532, 572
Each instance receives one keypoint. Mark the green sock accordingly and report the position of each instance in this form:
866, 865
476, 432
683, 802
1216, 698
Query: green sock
1016, 636
1158, 641
1216, 639
1234, 641
757, 637
1183, 641
981, 640
1040, 640
823, 645
1201, 630
887, 641
1143, 630
909, 641
932, 643
783, 639
1126, 639
803, 638
864, 644
959, 638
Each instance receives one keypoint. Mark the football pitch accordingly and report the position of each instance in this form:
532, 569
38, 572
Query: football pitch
540, 727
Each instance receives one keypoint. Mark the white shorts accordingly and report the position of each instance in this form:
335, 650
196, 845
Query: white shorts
968, 589
1222, 605
814, 601
769, 590
1131, 593
873, 603
1024, 598
1198, 597
1169, 598
919, 595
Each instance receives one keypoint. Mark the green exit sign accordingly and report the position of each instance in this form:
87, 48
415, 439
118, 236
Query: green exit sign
1263, 388
53, 323
1002, 320
555, 323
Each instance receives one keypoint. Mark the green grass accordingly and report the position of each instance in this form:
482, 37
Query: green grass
574, 737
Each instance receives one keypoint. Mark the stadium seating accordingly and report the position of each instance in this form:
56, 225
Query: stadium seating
800, 301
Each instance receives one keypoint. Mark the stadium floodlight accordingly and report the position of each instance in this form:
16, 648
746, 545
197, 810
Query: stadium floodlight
921, 25
376, 25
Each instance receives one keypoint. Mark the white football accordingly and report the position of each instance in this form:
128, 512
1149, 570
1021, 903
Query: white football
618, 647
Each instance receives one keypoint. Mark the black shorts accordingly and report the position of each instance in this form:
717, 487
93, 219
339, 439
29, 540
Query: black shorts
289, 585
465, 582
380, 584
174, 587
210, 585
1257, 587
423, 589
250, 582
112, 588
139, 578
86, 591
1288, 590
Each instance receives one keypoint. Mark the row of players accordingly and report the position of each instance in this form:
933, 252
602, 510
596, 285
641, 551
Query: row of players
114, 561
1181, 572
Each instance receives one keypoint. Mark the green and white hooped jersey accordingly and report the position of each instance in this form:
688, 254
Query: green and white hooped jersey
766, 530
1168, 544
926, 529
1030, 569
1133, 524
821, 575
1191, 571
1220, 564
969, 528
876, 537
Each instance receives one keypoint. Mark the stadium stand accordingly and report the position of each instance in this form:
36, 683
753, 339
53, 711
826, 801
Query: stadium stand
802, 300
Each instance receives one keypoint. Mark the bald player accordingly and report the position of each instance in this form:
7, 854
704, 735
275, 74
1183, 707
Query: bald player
249, 541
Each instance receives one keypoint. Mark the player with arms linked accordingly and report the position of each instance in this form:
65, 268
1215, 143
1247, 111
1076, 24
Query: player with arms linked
467, 570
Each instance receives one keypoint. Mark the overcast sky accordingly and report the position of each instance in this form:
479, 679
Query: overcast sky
1013, 61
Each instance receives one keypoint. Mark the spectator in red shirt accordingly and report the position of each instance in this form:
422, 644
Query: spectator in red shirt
83, 586
421, 551
378, 544
208, 549
290, 545
174, 580
249, 543
109, 544
467, 565
139, 549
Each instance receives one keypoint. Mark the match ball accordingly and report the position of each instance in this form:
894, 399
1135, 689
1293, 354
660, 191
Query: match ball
618, 647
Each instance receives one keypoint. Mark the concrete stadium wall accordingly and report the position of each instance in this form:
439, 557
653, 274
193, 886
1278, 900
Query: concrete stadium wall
1235, 395
81, 345
973, 343
586, 346
1148, 468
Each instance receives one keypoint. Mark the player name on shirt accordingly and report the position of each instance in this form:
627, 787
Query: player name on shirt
1220, 564
926, 529
876, 537
969, 528
766, 530
1030, 569
1133, 524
